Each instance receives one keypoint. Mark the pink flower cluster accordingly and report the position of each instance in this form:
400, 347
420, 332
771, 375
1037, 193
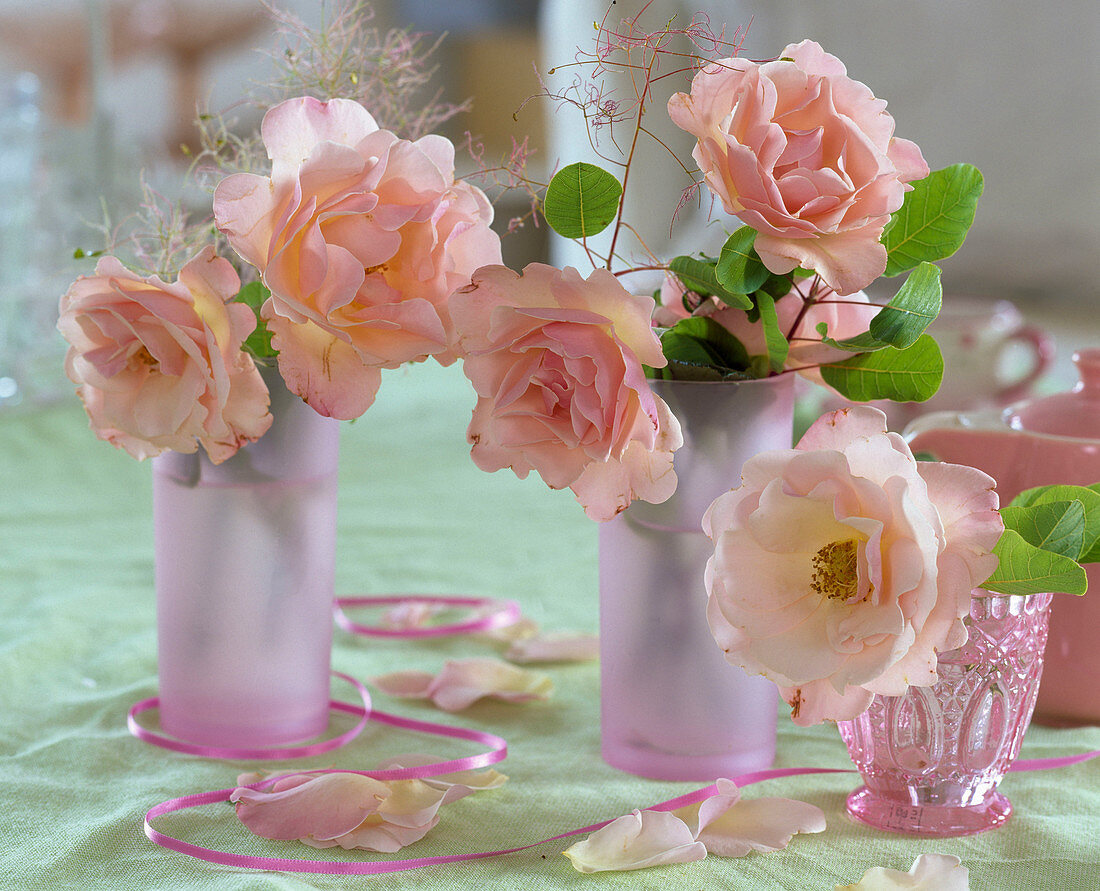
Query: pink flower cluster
804, 155
360, 237
368, 246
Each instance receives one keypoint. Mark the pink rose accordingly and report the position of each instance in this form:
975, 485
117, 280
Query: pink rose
361, 237
842, 566
556, 361
160, 365
805, 156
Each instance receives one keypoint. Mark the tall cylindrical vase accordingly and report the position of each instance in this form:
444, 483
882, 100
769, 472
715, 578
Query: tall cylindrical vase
245, 561
931, 760
671, 707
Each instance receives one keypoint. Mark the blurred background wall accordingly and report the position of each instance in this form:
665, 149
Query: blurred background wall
92, 92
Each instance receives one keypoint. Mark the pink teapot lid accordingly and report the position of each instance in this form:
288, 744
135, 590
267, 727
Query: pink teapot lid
1075, 413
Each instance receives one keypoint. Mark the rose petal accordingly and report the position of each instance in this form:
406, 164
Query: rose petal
322, 807
929, 872
355, 811
760, 824
730, 826
636, 841
405, 684
520, 630
462, 682
561, 647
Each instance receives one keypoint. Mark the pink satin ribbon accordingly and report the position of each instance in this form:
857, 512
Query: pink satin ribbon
499, 614
328, 867
506, 613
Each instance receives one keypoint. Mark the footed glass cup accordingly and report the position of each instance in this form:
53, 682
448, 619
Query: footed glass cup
931, 760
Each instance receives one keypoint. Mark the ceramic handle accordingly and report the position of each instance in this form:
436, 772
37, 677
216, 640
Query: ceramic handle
1042, 354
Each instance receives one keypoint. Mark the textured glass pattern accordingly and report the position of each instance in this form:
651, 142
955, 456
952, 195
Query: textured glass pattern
931, 759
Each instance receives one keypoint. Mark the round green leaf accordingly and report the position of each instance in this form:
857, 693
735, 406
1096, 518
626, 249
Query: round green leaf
739, 268
909, 375
581, 200
933, 219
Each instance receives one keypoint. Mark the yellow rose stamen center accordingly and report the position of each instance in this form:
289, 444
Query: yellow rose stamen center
141, 357
835, 574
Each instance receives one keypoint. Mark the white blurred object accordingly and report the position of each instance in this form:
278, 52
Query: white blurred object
656, 182
20, 157
20, 153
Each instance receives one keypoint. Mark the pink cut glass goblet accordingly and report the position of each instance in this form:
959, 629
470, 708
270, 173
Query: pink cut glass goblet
931, 760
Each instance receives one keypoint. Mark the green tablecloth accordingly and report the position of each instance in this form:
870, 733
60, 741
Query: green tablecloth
77, 648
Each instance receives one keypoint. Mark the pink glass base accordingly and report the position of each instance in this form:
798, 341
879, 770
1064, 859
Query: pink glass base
931, 759
931, 820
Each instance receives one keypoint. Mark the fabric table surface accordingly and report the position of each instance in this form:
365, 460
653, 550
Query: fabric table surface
78, 647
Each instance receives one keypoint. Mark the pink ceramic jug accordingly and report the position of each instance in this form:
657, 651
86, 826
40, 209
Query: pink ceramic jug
1053, 439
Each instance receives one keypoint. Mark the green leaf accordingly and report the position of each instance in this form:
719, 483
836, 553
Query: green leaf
581, 200
1026, 569
698, 275
702, 341
901, 321
739, 269
775, 340
1057, 526
254, 294
909, 375
690, 371
934, 218
258, 343
1088, 497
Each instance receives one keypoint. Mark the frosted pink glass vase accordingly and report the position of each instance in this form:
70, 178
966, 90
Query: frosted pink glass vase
245, 558
671, 707
931, 760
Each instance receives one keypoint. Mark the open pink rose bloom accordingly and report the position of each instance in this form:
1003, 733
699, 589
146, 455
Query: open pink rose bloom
843, 565
361, 237
804, 155
160, 364
556, 360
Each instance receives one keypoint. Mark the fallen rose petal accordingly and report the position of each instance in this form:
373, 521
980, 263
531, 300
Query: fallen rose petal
405, 684
411, 614
322, 807
929, 872
355, 811
560, 647
732, 827
635, 841
760, 824
462, 682
520, 630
